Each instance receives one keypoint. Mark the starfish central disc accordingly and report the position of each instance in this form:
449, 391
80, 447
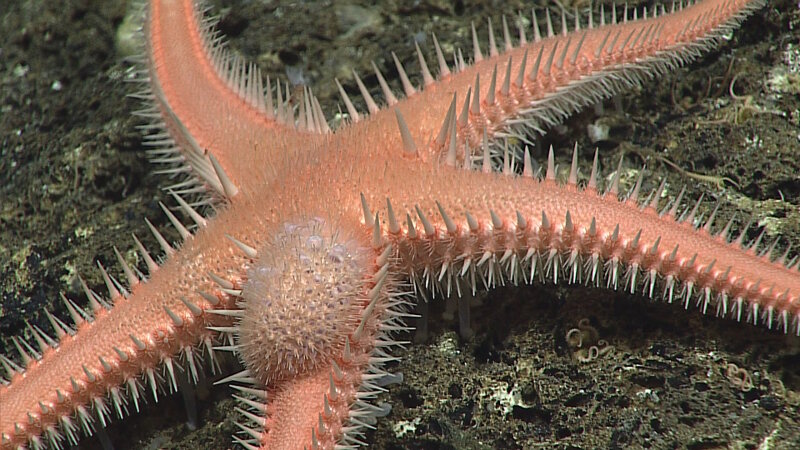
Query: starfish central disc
301, 300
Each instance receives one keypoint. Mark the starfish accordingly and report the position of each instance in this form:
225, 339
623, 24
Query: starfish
438, 221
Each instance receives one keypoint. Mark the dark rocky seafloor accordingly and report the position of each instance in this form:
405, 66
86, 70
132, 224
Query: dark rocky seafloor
74, 182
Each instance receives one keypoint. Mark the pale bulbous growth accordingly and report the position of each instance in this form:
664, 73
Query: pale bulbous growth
301, 299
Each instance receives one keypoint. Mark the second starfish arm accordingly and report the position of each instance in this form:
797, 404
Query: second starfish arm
490, 217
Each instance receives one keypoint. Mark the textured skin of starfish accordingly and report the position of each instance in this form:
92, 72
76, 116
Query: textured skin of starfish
430, 212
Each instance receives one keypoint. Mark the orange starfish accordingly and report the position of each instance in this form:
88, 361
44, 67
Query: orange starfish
444, 240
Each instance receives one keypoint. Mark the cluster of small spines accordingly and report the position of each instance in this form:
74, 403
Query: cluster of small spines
527, 103
495, 252
116, 381
344, 416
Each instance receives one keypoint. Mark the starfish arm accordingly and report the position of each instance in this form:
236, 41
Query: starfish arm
205, 100
525, 90
460, 229
325, 407
158, 322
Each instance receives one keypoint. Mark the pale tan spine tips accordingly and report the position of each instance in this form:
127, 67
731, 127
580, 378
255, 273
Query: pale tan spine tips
409, 146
